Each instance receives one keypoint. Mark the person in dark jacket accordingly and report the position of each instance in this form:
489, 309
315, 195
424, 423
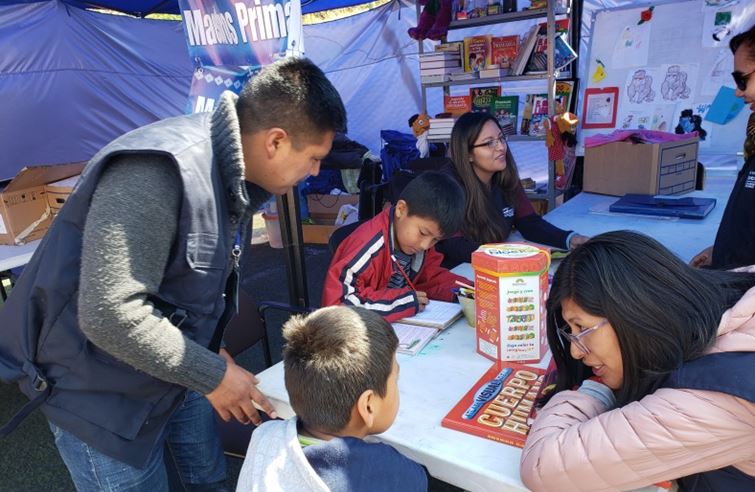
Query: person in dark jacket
495, 200
735, 241
114, 327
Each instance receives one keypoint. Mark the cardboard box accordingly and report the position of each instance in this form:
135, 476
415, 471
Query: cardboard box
25, 210
511, 285
618, 168
58, 192
316, 233
324, 208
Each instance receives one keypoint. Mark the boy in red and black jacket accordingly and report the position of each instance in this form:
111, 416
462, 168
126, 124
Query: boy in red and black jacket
389, 264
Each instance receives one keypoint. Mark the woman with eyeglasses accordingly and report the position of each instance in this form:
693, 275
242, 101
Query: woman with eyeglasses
656, 373
735, 241
495, 199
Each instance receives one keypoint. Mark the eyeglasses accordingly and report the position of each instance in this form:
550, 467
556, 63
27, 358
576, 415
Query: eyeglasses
741, 79
493, 143
565, 331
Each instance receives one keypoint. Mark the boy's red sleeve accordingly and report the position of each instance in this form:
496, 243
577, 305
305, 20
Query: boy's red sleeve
435, 280
351, 280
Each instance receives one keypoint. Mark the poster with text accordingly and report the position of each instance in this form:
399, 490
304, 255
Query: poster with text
241, 33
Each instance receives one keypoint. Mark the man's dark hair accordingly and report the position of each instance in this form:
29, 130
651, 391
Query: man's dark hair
746, 39
436, 196
331, 357
295, 95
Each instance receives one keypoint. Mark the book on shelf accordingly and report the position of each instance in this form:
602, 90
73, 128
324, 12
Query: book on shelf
506, 109
563, 55
504, 50
482, 97
456, 105
539, 115
437, 314
493, 72
538, 59
564, 95
464, 76
477, 53
525, 50
450, 47
438, 71
434, 79
499, 406
439, 56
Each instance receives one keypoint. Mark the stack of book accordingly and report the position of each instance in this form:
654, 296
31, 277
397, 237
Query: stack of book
438, 65
440, 128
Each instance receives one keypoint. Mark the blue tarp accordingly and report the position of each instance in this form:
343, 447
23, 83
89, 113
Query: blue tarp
145, 7
71, 80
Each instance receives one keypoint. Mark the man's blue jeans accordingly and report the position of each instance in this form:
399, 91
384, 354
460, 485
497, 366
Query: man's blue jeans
193, 442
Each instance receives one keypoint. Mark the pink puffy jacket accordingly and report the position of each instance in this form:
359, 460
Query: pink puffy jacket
575, 444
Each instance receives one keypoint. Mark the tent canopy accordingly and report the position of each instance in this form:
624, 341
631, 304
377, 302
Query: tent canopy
142, 8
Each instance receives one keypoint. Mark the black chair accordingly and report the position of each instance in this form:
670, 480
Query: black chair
337, 237
245, 330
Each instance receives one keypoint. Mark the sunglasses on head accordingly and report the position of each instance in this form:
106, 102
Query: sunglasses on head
741, 79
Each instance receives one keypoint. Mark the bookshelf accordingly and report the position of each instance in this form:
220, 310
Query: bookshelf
549, 13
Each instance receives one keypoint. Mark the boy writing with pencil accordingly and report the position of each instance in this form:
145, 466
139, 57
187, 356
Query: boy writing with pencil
389, 264
341, 376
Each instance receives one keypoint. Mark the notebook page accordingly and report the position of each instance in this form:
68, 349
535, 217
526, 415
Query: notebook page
438, 314
413, 338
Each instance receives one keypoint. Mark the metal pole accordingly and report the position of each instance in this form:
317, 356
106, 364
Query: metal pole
293, 247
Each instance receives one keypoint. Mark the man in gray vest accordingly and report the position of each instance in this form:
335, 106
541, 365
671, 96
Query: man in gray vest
111, 321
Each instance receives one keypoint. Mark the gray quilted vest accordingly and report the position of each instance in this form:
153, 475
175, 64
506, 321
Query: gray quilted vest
80, 388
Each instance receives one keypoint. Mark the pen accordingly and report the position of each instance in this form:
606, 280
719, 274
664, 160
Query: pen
411, 345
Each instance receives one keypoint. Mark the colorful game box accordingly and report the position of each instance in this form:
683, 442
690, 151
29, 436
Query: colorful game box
511, 285
500, 404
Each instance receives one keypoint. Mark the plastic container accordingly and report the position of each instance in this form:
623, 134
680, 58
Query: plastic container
468, 308
273, 228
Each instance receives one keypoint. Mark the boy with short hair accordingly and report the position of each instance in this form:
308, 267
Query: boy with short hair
389, 264
341, 376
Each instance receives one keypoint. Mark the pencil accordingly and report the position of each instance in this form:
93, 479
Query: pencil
458, 282
406, 277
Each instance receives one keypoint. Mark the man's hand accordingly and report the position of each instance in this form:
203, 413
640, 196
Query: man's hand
703, 258
234, 395
422, 299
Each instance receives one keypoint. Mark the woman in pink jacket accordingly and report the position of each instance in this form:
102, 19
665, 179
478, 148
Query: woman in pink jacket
656, 373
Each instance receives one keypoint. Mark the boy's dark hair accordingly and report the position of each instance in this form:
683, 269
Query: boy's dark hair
295, 95
436, 196
746, 39
331, 357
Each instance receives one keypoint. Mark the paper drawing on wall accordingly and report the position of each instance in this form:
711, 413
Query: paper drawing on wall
599, 73
674, 86
719, 26
631, 49
600, 107
640, 88
719, 73
690, 122
715, 4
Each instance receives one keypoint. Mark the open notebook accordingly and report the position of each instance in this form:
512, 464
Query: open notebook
416, 331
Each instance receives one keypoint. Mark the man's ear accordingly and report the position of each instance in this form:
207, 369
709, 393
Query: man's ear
366, 408
276, 139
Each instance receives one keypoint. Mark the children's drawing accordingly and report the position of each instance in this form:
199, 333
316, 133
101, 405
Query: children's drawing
662, 117
640, 86
691, 122
719, 73
599, 73
675, 85
718, 26
631, 49
717, 4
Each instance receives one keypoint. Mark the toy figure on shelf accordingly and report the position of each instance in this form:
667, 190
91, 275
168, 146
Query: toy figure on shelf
420, 123
560, 138
433, 21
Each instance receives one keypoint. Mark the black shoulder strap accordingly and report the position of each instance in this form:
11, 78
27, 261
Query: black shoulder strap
732, 373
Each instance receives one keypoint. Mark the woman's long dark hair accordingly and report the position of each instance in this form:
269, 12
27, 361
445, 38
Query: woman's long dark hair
663, 311
482, 221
